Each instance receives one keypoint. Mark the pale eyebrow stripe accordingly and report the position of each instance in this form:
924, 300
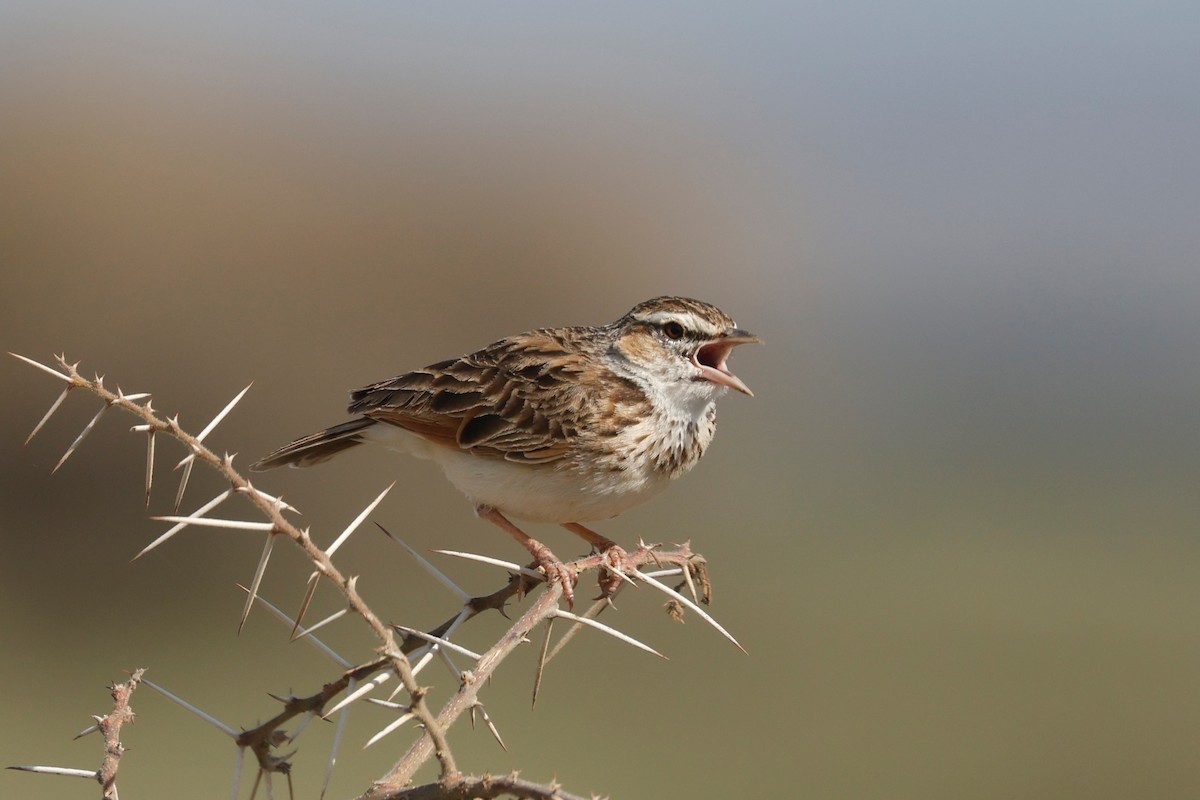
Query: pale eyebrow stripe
690, 321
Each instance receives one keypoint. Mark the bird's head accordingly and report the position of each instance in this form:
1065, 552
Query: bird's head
681, 346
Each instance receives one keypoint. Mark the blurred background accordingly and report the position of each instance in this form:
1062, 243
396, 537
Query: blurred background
956, 527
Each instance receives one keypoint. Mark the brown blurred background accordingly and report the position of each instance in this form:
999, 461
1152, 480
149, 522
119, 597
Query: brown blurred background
956, 528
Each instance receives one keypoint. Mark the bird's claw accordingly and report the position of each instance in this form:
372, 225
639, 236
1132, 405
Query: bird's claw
612, 569
558, 572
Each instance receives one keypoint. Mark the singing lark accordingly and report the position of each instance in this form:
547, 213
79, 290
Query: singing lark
558, 425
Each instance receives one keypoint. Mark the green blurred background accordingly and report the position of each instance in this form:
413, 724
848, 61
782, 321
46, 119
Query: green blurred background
956, 528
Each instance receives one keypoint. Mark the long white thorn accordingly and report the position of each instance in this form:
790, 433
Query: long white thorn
687, 578
67, 771
215, 422
375, 701
210, 719
600, 626
331, 618
217, 419
662, 587
149, 465
53, 408
314, 641
237, 773
449, 645
86, 430
496, 562
313, 580
337, 741
88, 730
541, 665
596, 610
357, 521
42, 367
258, 576
491, 725
211, 522
199, 512
430, 568
308, 596
391, 726
424, 654
183, 482
369, 686
444, 655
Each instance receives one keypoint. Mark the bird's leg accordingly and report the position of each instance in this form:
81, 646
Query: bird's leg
614, 556
555, 569
599, 541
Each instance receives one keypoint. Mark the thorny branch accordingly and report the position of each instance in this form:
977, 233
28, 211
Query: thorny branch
272, 510
263, 739
110, 726
486, 787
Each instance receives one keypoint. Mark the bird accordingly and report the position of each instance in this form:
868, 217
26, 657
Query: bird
566, 425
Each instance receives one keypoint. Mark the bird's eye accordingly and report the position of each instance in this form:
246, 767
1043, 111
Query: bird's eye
673, 330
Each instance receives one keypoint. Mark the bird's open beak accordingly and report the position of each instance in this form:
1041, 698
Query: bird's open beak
710, 359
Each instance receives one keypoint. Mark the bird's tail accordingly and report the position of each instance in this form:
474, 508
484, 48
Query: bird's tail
317, 447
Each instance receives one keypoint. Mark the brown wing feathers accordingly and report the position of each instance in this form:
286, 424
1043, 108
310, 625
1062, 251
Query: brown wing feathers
493, 402
516, 399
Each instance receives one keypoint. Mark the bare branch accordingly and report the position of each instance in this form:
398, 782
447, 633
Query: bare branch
396, 644
485, 788
110, 726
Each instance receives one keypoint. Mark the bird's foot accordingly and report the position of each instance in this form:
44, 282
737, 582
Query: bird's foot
557, 572
612, 569
553, 568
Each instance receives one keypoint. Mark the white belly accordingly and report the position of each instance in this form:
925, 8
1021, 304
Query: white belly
555, 493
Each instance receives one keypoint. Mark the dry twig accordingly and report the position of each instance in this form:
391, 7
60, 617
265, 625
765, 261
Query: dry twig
401, 658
